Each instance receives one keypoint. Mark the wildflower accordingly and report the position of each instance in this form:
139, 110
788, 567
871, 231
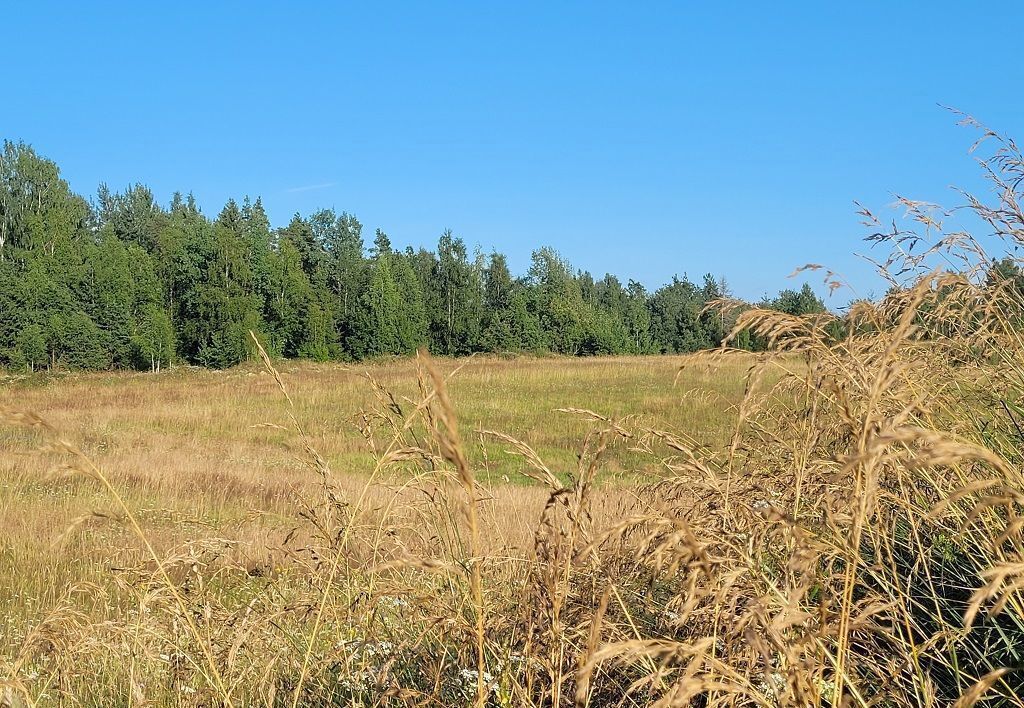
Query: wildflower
468, 679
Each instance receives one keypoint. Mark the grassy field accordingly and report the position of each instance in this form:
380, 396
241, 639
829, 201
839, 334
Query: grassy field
836, 522
202, 429
205, 454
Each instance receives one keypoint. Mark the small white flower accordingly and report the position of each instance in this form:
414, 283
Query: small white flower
469, 678
393, 602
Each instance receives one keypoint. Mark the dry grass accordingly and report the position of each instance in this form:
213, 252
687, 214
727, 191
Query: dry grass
198, 456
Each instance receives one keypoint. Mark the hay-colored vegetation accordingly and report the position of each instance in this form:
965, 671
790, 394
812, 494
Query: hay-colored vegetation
198, 455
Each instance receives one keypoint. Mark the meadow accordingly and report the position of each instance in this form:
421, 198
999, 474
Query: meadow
196, 455
826, 523
835, 521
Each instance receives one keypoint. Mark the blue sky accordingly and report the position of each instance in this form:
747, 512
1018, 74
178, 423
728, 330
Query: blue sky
642, 139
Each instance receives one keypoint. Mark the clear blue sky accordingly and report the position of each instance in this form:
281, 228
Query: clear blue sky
642, 139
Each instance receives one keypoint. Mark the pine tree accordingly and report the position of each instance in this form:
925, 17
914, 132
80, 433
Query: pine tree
382, 302
412, 314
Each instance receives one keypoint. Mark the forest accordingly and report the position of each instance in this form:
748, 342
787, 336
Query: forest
120, 282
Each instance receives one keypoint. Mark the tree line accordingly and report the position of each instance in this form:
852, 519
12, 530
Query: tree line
121, 282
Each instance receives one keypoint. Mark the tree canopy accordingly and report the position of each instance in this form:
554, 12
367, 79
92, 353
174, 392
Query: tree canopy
123, 282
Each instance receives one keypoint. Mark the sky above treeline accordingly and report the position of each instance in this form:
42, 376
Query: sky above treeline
641, 139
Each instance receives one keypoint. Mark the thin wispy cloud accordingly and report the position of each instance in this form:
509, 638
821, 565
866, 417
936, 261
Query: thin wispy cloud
310, 187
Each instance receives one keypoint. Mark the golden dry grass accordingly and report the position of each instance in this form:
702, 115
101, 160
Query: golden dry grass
201, 454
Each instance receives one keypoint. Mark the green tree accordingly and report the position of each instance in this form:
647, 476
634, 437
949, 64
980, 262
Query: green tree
223, 305
392, 317
347, 265
29, 348
413, 325
456, 298
508, 325
256, 238
637, 317
133, 216
38, 212
558, 301
676, 318
117, 295
153, 340
76, 342
798, 302
299, 321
